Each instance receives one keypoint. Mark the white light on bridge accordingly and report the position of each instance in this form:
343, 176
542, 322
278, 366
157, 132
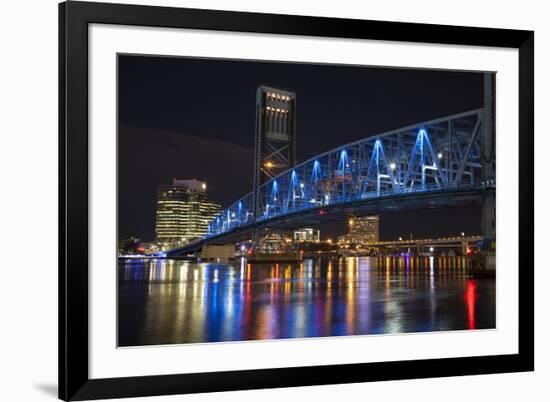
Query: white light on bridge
393, 166
440, 155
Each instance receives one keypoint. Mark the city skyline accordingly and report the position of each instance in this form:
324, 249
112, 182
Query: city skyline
176, 153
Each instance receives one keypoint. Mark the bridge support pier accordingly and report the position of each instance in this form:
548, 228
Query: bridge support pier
256, 240
488, 221
488, 170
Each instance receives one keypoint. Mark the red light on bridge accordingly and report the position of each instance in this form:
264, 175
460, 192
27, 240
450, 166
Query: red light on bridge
321, 212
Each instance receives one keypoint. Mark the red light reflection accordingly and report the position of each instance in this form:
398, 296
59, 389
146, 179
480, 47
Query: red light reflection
470, 296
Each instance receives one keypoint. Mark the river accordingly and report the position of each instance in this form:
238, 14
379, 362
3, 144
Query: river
172, 301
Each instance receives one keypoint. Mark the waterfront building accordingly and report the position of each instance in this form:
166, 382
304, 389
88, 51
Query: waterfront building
307, 235
272, 241
183, 212
362, 230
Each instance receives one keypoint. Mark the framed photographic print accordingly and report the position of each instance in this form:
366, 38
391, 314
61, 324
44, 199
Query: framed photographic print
257, 200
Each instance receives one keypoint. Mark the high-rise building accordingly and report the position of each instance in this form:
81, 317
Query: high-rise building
365, 228
362, 230
183, 212
307, 235
275, 145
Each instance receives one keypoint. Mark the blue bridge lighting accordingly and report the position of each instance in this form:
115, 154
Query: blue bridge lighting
422, 158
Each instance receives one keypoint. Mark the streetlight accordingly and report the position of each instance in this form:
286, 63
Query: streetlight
269, 164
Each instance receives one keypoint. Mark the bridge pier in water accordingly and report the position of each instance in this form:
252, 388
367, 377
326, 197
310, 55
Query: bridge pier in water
488, 219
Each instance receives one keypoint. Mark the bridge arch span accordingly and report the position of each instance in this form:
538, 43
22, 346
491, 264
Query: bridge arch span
425, 158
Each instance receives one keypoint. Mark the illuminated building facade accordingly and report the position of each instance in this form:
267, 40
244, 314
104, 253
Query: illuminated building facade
362, 230
272, 241
307, 235
183, 212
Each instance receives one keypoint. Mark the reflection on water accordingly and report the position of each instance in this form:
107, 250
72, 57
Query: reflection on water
170, 301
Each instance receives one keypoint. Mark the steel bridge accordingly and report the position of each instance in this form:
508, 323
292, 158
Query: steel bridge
435, 163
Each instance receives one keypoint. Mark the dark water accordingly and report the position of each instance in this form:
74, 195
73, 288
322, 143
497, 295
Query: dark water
167, 301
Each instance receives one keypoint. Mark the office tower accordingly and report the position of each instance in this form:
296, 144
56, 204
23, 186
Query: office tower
183, 212
362, 230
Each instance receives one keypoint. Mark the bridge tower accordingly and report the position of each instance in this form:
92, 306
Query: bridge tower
488, 164
275, 145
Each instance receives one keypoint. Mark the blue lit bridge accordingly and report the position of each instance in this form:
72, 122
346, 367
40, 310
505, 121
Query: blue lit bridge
440, 163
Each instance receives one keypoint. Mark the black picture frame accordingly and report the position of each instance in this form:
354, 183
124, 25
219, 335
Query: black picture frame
74, 381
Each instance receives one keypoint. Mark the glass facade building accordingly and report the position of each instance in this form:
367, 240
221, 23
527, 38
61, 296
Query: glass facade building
183, 212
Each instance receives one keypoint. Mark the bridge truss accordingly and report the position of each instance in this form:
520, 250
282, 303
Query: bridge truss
441, 154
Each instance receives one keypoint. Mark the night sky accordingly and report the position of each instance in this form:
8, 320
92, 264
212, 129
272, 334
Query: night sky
194, 118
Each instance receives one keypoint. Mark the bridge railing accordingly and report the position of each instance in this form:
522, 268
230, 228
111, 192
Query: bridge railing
432, 156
